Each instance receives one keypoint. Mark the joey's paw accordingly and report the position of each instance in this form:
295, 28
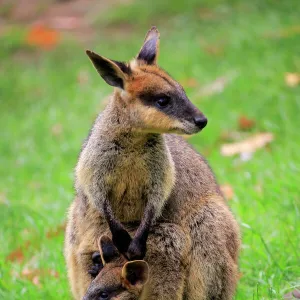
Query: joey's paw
137, 250
121, 240
97, 265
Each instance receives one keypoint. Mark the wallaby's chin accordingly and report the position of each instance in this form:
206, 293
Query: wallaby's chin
188, 128
185, 129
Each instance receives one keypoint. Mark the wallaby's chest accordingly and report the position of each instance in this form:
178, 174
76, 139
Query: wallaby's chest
128, 177
129, 181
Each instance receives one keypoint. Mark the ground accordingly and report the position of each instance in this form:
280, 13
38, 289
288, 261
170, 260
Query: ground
231, 58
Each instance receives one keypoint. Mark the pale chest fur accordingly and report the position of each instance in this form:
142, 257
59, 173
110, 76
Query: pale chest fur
128, 178
129, 183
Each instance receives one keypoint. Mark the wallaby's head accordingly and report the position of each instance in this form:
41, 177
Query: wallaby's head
119, 279
151, 100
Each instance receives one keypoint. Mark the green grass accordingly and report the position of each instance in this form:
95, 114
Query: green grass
46, 113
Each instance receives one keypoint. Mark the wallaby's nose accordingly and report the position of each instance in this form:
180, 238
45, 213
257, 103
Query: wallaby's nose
200, 121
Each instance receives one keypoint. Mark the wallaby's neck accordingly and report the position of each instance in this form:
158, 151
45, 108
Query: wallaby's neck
115, 125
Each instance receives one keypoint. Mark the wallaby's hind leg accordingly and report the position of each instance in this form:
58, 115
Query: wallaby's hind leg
168, 251
215, 246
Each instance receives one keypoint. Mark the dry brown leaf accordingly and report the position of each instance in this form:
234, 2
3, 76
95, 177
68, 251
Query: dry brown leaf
83, 77
66, 22
214, 50
245, 123
292, 79
3, 198
292, 295
249, 145
207, 14
217, 86
36, 281
284, 33
57, 129
227, 191
56, 231
296, 294
229, 136
35, 185
41, 36
189, 82
34, 275
16, 256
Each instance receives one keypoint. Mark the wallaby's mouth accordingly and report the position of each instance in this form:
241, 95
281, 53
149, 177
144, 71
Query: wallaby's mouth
194, 126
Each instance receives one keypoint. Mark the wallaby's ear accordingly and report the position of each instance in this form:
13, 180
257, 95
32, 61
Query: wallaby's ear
149, 50
135, 273
108, 251
114, 73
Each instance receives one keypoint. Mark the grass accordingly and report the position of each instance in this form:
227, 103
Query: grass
46, 111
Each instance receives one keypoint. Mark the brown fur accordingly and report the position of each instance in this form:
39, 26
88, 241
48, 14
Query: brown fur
194, 242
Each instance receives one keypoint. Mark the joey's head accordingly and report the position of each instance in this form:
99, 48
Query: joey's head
149, 98
119, 278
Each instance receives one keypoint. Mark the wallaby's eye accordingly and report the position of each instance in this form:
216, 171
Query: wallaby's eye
162, 101
103, 295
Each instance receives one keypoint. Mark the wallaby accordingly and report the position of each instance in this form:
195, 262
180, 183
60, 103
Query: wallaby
117, 278
133, 168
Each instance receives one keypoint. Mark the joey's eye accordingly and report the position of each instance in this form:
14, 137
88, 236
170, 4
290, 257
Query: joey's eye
163, 101
103, 295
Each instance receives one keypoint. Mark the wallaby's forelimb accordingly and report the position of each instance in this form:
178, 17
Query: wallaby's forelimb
137, 248
133, 248
120, 236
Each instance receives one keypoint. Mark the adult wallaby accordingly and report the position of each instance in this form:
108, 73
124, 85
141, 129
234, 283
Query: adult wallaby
132, 168
117, 278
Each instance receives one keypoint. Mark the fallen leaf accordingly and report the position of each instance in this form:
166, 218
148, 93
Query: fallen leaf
16, 256
3, 198
245, 123
36, 281
57, 129
189, 82
35, 185
292, 295
296, 294
230, 136
249, 145
83, 77
41, 36
34, 275
207, 14
217, 86
56, 231
259, 189
292, 79
284, 33
66, 22
214, 50
227, 191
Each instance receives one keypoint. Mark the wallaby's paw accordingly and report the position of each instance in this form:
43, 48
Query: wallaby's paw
121, 240
137, 250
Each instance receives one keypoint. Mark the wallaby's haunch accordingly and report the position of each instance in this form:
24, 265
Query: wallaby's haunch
118, 278
133, 168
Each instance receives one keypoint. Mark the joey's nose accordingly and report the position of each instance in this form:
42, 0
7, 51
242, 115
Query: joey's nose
200, 121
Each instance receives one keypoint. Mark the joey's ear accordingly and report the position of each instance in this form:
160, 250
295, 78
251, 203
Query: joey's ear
113, 72
107, 249
149, 50
135, 273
